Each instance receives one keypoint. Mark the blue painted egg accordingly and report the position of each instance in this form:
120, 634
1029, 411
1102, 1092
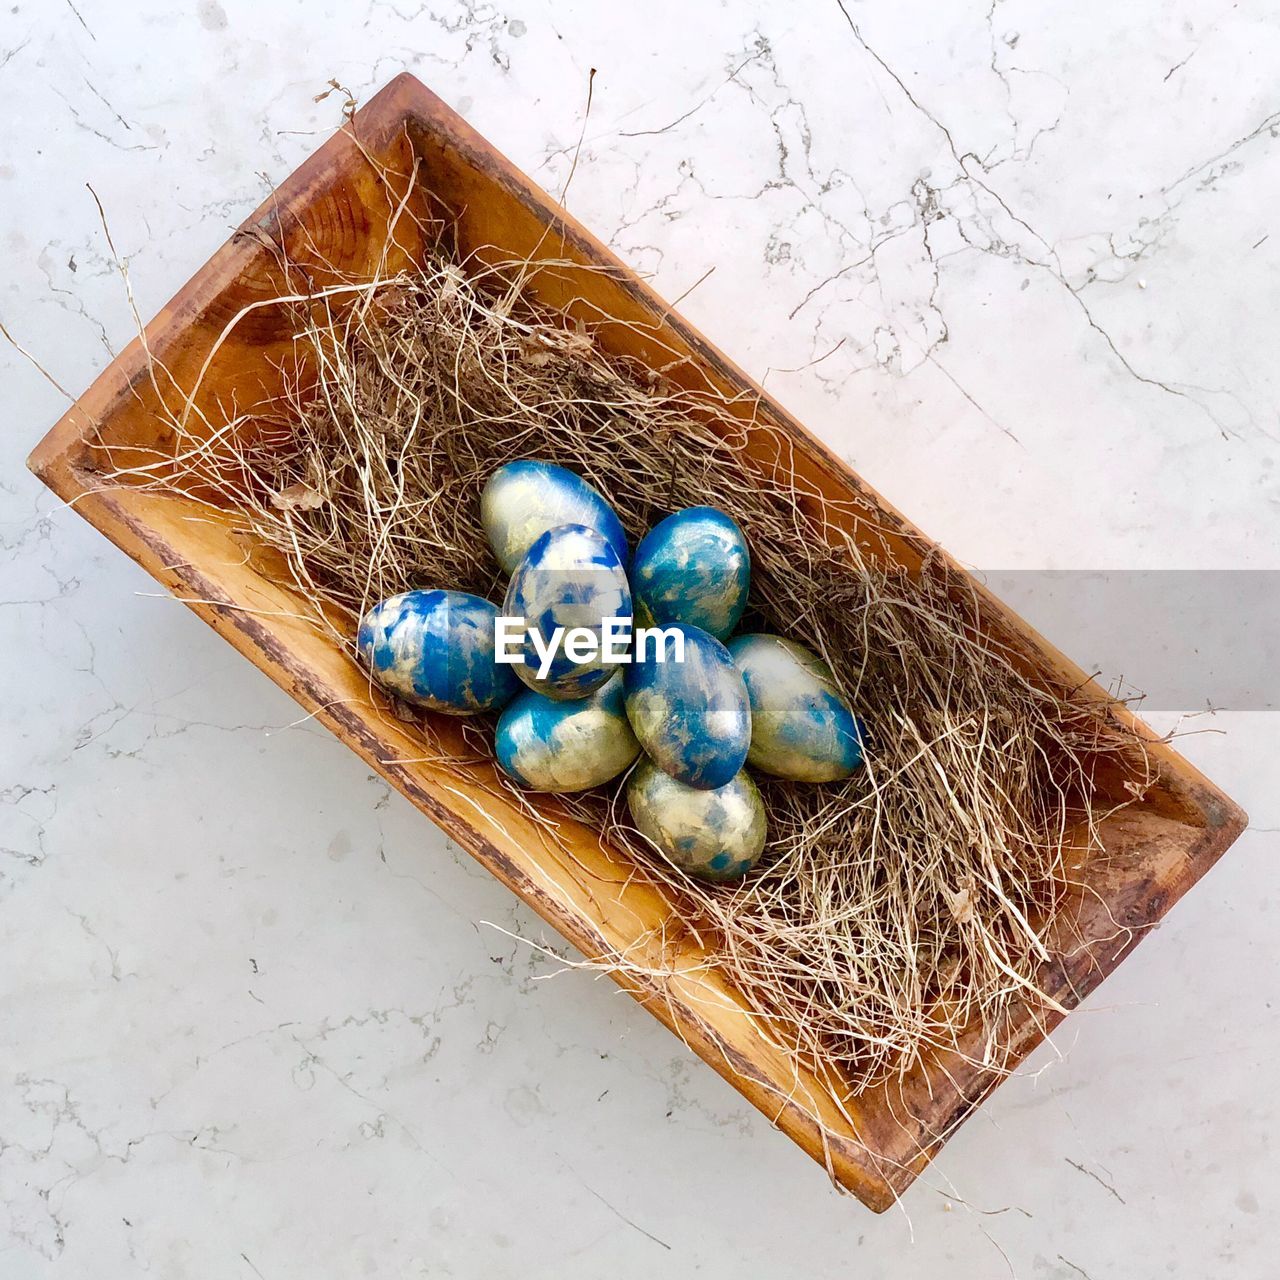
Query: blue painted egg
692, 567
801, 725
571, 579
435, 649
566, 746
522, 500
691, 716
715, 835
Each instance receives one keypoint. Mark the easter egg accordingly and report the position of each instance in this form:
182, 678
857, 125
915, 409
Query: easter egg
692, 567
716, 835
801, 726
691, 716
567, 589
522, 500
566, 746
436, 649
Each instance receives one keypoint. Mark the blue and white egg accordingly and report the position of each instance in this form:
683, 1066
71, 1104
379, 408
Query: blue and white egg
523, 499
571, 578
802, 727
715, 835
436, 649
566, 746
692, 567
691, 716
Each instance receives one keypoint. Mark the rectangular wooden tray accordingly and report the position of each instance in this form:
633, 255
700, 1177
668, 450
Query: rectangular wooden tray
331, 218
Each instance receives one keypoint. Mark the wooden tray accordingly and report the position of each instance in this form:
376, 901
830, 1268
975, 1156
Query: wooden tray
331, 217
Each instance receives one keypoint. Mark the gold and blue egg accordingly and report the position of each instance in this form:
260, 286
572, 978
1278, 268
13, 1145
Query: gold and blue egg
523, 499
692, 717
715, 834
571, 577
802, 727
436, 650
566, 746
692, 567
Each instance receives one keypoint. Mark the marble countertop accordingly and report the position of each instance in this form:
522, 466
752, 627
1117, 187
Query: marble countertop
1016, 262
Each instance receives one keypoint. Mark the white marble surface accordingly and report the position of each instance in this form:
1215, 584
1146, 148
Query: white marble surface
250, 1024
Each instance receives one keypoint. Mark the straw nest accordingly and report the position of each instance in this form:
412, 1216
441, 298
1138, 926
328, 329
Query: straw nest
890, 912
